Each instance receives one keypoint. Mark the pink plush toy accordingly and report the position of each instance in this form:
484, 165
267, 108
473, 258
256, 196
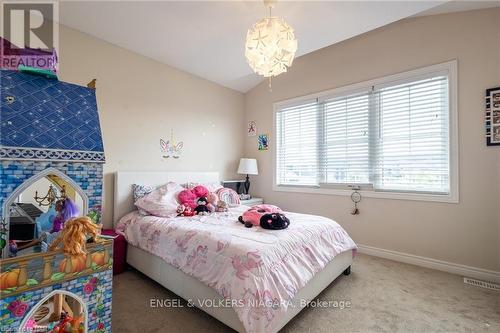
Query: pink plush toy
252, 216
200, 191
188, 198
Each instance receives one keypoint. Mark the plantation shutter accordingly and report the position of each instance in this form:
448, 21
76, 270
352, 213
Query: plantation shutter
297, 144
413, 136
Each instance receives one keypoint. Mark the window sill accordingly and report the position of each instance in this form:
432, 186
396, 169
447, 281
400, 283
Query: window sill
450, 198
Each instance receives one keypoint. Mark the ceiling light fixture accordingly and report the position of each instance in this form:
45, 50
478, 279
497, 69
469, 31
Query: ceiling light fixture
271, 45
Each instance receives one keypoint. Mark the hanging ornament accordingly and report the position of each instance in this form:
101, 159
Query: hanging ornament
356, 198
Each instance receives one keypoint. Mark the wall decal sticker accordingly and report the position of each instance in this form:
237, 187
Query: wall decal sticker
171, 148
252, 128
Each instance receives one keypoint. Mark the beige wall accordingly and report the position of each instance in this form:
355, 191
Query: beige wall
141, 100
466, 233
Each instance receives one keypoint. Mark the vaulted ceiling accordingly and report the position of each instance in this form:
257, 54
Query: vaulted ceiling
207, 38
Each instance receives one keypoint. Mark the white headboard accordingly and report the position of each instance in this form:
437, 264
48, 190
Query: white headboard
124, 202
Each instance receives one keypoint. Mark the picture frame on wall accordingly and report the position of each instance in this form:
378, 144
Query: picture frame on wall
263, 142
492, 116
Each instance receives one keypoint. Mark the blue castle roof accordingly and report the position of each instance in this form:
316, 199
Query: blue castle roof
42, 113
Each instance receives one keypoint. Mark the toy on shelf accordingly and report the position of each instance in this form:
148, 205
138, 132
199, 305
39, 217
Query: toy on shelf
68, 324
74, 236
66, 209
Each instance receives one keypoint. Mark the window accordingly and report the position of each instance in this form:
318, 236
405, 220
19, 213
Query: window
393, 137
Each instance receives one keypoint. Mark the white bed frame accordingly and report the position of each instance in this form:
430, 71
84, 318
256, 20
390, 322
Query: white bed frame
187, 286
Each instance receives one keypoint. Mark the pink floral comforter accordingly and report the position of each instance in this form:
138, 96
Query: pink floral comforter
258, 270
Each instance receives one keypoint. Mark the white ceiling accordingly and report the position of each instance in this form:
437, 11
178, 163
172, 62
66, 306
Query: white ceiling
207, 38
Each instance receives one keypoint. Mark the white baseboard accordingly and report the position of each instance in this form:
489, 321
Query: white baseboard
462, 270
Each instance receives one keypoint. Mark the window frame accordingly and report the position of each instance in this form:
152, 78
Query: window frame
450, 69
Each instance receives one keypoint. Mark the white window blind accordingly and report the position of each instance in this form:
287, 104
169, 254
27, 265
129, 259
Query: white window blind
413, 152
345, 140
393, 136
297, 144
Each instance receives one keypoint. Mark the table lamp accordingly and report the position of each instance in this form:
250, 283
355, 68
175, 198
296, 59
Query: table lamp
248, 166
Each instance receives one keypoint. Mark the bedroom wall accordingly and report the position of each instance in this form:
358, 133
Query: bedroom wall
141, 100
467, 233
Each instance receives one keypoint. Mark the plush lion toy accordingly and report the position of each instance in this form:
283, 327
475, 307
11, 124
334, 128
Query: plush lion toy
74, 235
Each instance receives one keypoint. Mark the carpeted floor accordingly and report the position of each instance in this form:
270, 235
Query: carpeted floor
385, 296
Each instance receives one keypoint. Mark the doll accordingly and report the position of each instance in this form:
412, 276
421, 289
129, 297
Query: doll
202, 208
66, 209
74, 236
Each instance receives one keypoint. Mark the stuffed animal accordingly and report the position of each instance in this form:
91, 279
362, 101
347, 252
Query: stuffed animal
221, 207
252, 216
180, 210
202, 208
187, 198
274, 221
184, 211
200, 191
213, 199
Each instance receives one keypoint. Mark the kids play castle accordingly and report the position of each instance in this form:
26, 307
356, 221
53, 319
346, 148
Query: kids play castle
50, 129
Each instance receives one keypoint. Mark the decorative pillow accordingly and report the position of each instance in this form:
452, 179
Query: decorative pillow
162, 201
229, 196
139, 191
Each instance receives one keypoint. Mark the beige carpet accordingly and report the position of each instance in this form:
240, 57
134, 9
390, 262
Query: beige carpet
386, 296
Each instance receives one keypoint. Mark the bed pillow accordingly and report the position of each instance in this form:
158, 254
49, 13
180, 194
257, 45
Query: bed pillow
229, 196
161, 201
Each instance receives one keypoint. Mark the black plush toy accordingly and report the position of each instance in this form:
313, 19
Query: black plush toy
202, 208
274, 221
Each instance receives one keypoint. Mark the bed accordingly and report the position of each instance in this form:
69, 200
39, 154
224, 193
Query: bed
155, 263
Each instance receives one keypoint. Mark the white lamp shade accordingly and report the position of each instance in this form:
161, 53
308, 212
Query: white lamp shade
248, 166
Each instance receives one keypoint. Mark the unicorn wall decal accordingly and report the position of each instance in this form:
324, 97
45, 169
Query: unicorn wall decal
170, 148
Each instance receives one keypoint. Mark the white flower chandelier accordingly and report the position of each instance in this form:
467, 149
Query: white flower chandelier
271, 45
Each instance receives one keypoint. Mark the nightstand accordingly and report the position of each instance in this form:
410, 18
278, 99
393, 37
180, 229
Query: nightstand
252, 201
